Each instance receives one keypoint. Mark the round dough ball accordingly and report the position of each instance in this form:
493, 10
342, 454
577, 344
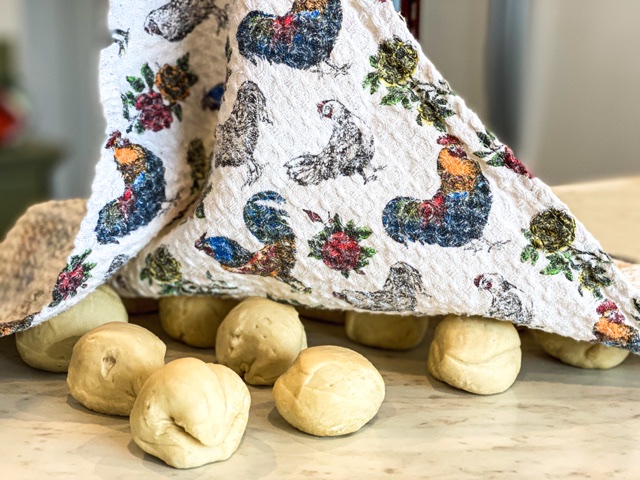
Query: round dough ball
260, 339
49, 346
190, 413
323, 314
580, 354
329, 391
476, 354
110, 364
194, 320
393, 332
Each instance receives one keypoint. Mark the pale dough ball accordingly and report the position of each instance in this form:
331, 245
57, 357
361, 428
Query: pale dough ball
476, 354
580, 354
110, 364
329, 391
48, 346
194, 320
393, 332
260, 339
322, 314
190, 413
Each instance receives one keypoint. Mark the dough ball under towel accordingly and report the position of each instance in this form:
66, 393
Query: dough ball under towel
110, 364
323, 314
329, 391
49, 346
190, 413
393, 332
475, 354
194, 320
580, 354
260, 339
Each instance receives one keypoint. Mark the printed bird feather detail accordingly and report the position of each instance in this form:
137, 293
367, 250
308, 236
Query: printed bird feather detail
178, 18
507, 300
350, 149
302, 38
240, 132
270, 227
144, 193
398, 294
455, 215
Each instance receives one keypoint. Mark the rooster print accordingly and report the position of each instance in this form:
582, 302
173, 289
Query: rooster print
240, 132
268, 224
302, 38
144, 191
612, 330
508, 302
399, 293
350, 150
178, 18
455, 215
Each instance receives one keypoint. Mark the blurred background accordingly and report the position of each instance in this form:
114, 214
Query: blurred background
556, 80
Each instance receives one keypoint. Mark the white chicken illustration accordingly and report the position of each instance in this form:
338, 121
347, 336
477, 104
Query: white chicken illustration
508, 301
349, 152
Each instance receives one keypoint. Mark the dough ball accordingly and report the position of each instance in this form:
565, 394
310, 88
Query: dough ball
393, 332
260, 339
140, 306
48, 346
580, 354
194, 320
110, 364
476, 354
190, 413
323, 314
329, 391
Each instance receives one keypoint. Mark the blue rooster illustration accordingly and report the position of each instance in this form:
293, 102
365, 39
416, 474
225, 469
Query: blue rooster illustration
269, 225
457, 213
144, 192
302, 38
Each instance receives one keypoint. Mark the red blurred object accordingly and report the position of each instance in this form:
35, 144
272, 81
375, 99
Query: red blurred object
13, 112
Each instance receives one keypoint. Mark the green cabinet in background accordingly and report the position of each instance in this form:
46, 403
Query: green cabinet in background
25, 176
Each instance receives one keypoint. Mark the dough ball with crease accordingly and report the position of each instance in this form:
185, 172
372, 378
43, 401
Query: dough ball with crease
190, 413
110, 364
476, 354
329, 391
48, 346
392, 332
194, 320
580, 354
260, 339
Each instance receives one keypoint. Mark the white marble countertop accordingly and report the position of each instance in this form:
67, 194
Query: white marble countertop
555, 422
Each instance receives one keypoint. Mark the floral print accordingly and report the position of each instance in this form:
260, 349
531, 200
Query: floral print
72, 277
395, 65
157, 107
553, 233
611, 328
338, 245
500, 155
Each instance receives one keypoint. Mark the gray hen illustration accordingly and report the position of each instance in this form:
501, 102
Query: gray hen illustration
178, 18
398, 293
239, 134
350, 149
508, 301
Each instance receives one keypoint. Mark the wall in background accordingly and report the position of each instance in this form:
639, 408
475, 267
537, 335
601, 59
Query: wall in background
582, 93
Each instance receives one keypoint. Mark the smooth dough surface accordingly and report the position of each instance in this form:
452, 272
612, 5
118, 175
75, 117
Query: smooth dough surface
476, 354
194, 320
260, 339
190, 413
49, 346
393, 332
580, 354
329, 391
110, 364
